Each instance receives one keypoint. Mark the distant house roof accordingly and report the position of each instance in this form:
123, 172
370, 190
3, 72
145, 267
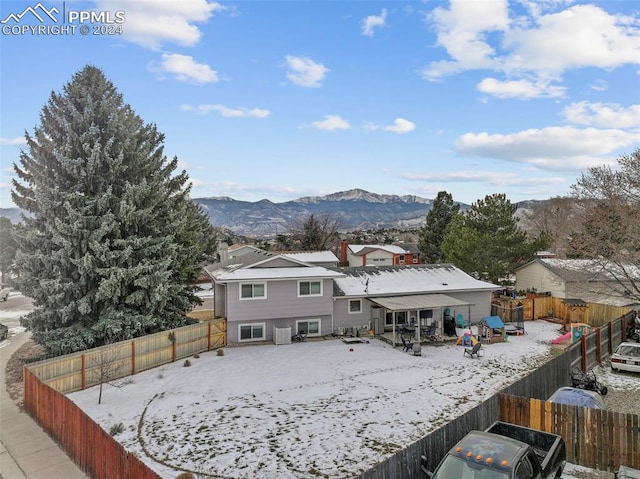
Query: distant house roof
377, 281
313, 256
585, 269
361, 249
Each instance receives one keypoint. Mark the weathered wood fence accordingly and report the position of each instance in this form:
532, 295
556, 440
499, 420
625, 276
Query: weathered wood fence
595, 438
77, 371
593, 314
90, 447
81, 436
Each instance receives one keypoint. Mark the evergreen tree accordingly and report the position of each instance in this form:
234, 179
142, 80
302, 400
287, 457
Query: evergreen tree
487, 241
113, 243
7, 249
435, 229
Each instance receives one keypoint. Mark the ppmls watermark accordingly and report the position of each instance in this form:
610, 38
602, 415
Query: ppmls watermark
40, 20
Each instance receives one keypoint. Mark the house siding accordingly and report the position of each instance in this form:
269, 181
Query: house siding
536, 277
282, 307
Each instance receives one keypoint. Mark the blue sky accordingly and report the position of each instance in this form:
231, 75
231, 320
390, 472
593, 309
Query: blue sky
285, 99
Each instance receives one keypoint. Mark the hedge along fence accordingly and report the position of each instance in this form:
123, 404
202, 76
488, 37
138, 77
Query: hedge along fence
77, 371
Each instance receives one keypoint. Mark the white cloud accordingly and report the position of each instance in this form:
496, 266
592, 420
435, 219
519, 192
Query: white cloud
496, 178
520, 89
553, 148
373, 21
331, 122
153, 23
186, 69
480, 35
604, 115
305, 72
238, 112
17, 141
400, 126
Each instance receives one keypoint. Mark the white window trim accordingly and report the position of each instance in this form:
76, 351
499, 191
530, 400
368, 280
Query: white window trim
318, 320
349, 306
314, 295
264, 332
252, 298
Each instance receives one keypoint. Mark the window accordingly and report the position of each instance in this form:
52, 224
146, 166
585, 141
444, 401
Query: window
251, 332
309, 288
253, 291
309, 326
401, 257
355, 306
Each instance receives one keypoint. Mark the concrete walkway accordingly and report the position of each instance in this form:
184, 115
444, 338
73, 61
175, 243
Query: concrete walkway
26, 451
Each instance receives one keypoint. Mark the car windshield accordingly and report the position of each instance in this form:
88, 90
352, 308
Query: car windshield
628, 350
460, 469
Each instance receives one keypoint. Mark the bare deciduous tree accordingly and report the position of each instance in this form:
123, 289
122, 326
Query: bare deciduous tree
610, 232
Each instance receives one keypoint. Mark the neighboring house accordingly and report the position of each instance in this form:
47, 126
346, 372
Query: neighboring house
377, 255
260, 291
589, 280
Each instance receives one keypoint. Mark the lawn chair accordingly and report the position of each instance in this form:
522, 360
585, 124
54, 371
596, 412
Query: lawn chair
407, 346
476, 351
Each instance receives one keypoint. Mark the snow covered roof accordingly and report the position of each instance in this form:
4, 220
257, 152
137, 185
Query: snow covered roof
418, 301
359, 249
295, 272
586, 269
313, 256
375, 281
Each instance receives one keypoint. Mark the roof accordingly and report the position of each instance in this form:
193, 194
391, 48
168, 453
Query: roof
312, 256
586, 269
379, 281
418, 301
360, 249
295, 272
494, 322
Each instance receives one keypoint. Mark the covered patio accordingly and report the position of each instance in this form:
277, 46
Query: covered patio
420, 315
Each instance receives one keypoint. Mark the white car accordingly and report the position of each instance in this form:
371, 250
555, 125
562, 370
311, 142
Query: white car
4, 294
626, 357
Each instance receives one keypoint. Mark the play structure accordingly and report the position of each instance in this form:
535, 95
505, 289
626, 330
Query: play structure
576, 331
467, 339
492, 330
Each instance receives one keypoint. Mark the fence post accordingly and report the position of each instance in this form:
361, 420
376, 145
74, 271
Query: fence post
133, 357
209, 335
82, 372
583, 350
610, 331
598, 345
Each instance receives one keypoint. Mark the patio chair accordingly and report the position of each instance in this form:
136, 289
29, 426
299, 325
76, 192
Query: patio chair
407, 346
476, 351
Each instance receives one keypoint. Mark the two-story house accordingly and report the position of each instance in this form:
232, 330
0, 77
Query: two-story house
377, 255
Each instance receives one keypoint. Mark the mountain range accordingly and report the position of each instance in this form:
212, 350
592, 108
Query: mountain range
356, 209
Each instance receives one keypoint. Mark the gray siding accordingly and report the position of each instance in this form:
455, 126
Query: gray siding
233, 330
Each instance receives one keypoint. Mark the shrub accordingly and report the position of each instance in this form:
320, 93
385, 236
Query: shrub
187, 363
220, 352
116, 429
196, 355
185, 475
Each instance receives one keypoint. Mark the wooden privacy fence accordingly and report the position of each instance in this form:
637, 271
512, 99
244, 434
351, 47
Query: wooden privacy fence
98, 454
77, 371
593, 314
595, 438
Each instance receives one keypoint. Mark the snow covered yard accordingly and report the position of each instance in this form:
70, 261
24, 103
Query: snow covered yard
313, 409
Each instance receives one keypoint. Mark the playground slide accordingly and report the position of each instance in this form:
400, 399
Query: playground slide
562, 338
